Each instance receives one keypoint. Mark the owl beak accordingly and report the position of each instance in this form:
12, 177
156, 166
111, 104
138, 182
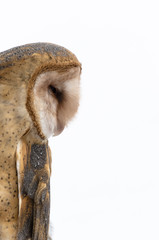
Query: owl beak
59, 129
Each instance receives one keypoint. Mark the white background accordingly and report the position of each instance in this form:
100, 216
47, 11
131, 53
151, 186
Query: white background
105, 182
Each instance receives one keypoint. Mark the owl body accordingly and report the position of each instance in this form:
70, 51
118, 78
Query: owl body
39, 94
14, 122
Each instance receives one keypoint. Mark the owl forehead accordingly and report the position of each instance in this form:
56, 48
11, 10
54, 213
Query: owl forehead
57, 78
22, 65
20, 52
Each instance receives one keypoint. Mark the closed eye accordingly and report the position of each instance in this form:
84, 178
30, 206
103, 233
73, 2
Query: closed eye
53, 90
56, 93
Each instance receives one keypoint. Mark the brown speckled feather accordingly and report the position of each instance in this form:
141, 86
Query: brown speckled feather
34, 162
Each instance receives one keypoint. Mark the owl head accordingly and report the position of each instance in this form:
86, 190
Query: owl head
44, 81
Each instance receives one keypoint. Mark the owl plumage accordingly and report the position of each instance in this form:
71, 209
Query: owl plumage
39, 95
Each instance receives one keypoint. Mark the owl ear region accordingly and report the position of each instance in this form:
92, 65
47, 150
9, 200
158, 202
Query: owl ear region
34, 161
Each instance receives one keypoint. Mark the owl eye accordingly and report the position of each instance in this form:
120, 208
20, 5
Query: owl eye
56, 93
53, 90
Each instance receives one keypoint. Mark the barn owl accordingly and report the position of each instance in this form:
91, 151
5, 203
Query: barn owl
39, 95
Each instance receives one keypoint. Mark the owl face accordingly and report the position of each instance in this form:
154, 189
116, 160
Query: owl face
55, 100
